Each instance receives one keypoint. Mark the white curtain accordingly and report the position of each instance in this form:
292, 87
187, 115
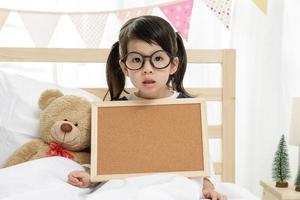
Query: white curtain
267, 78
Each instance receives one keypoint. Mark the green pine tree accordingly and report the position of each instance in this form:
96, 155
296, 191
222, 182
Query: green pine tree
281, 169
297, 181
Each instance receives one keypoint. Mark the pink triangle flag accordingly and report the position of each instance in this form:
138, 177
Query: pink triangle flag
3, 17
40, 26
222, 9
125, 15
90, 27
179, 14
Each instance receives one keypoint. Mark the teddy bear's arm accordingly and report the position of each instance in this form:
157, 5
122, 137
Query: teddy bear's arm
82, 157
24, 153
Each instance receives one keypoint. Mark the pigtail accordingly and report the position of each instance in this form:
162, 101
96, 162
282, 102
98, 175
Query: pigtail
177, 78
114, 75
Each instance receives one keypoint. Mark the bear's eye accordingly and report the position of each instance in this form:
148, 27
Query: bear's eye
65, 120
76, 124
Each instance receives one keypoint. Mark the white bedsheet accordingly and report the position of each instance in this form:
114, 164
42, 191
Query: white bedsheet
46, 179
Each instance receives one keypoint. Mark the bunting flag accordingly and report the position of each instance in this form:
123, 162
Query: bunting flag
90, 27
179, 14
125, 15
262, 5
39, 26
222, 9
3, 16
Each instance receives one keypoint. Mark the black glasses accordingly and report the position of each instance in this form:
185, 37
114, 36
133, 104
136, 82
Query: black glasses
159, 59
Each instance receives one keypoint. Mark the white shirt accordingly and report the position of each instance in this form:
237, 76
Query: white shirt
132, 96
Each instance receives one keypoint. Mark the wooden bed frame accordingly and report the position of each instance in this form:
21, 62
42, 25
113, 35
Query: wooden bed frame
225, 94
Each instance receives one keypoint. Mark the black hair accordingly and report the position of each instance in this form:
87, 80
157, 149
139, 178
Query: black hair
153, 30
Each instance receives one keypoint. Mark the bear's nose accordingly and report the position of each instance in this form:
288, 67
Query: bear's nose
66, 127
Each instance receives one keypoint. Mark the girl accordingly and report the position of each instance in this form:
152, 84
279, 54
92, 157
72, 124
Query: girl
153, 56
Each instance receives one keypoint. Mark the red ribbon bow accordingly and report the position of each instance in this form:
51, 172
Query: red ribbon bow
57, 150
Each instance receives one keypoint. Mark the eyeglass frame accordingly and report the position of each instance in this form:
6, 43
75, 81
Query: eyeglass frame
123, 59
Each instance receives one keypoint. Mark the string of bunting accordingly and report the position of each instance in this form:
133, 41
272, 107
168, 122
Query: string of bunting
90, 26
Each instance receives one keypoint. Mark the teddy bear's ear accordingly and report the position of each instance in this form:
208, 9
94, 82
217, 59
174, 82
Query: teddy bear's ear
47, 97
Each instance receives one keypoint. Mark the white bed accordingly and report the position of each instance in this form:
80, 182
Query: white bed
46, 178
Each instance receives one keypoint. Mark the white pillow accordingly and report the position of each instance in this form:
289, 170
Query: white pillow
19, 111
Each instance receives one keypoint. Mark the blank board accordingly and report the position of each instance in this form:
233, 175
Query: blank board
131, 138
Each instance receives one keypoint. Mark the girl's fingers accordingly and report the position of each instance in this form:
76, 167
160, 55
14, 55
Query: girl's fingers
74, 181
214, 196
223, 197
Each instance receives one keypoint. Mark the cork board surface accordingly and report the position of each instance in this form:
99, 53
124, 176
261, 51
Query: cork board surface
138, 139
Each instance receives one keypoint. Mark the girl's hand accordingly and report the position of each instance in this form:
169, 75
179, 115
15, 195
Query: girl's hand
79, 179
212, 194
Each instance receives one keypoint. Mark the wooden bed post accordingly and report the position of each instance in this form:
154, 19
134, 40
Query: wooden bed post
228, 115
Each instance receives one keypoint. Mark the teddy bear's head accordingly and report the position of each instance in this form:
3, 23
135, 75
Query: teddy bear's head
65, 120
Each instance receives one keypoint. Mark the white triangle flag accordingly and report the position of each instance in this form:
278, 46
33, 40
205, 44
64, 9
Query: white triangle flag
222, 9
90, 28
125, 15
3, 16
40, 26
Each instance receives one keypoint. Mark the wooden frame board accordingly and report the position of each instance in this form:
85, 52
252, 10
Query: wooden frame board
132, 138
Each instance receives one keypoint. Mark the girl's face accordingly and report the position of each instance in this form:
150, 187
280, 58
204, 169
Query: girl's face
150, 81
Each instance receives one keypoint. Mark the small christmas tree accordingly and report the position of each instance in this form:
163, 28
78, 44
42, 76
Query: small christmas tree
297, 181
281, 169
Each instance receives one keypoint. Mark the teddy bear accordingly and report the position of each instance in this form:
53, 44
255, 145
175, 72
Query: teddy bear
65, 130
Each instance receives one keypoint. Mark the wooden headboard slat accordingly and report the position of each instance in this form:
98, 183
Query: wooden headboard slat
204, 56
11, 54
218, 168
215, 131
8, 54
